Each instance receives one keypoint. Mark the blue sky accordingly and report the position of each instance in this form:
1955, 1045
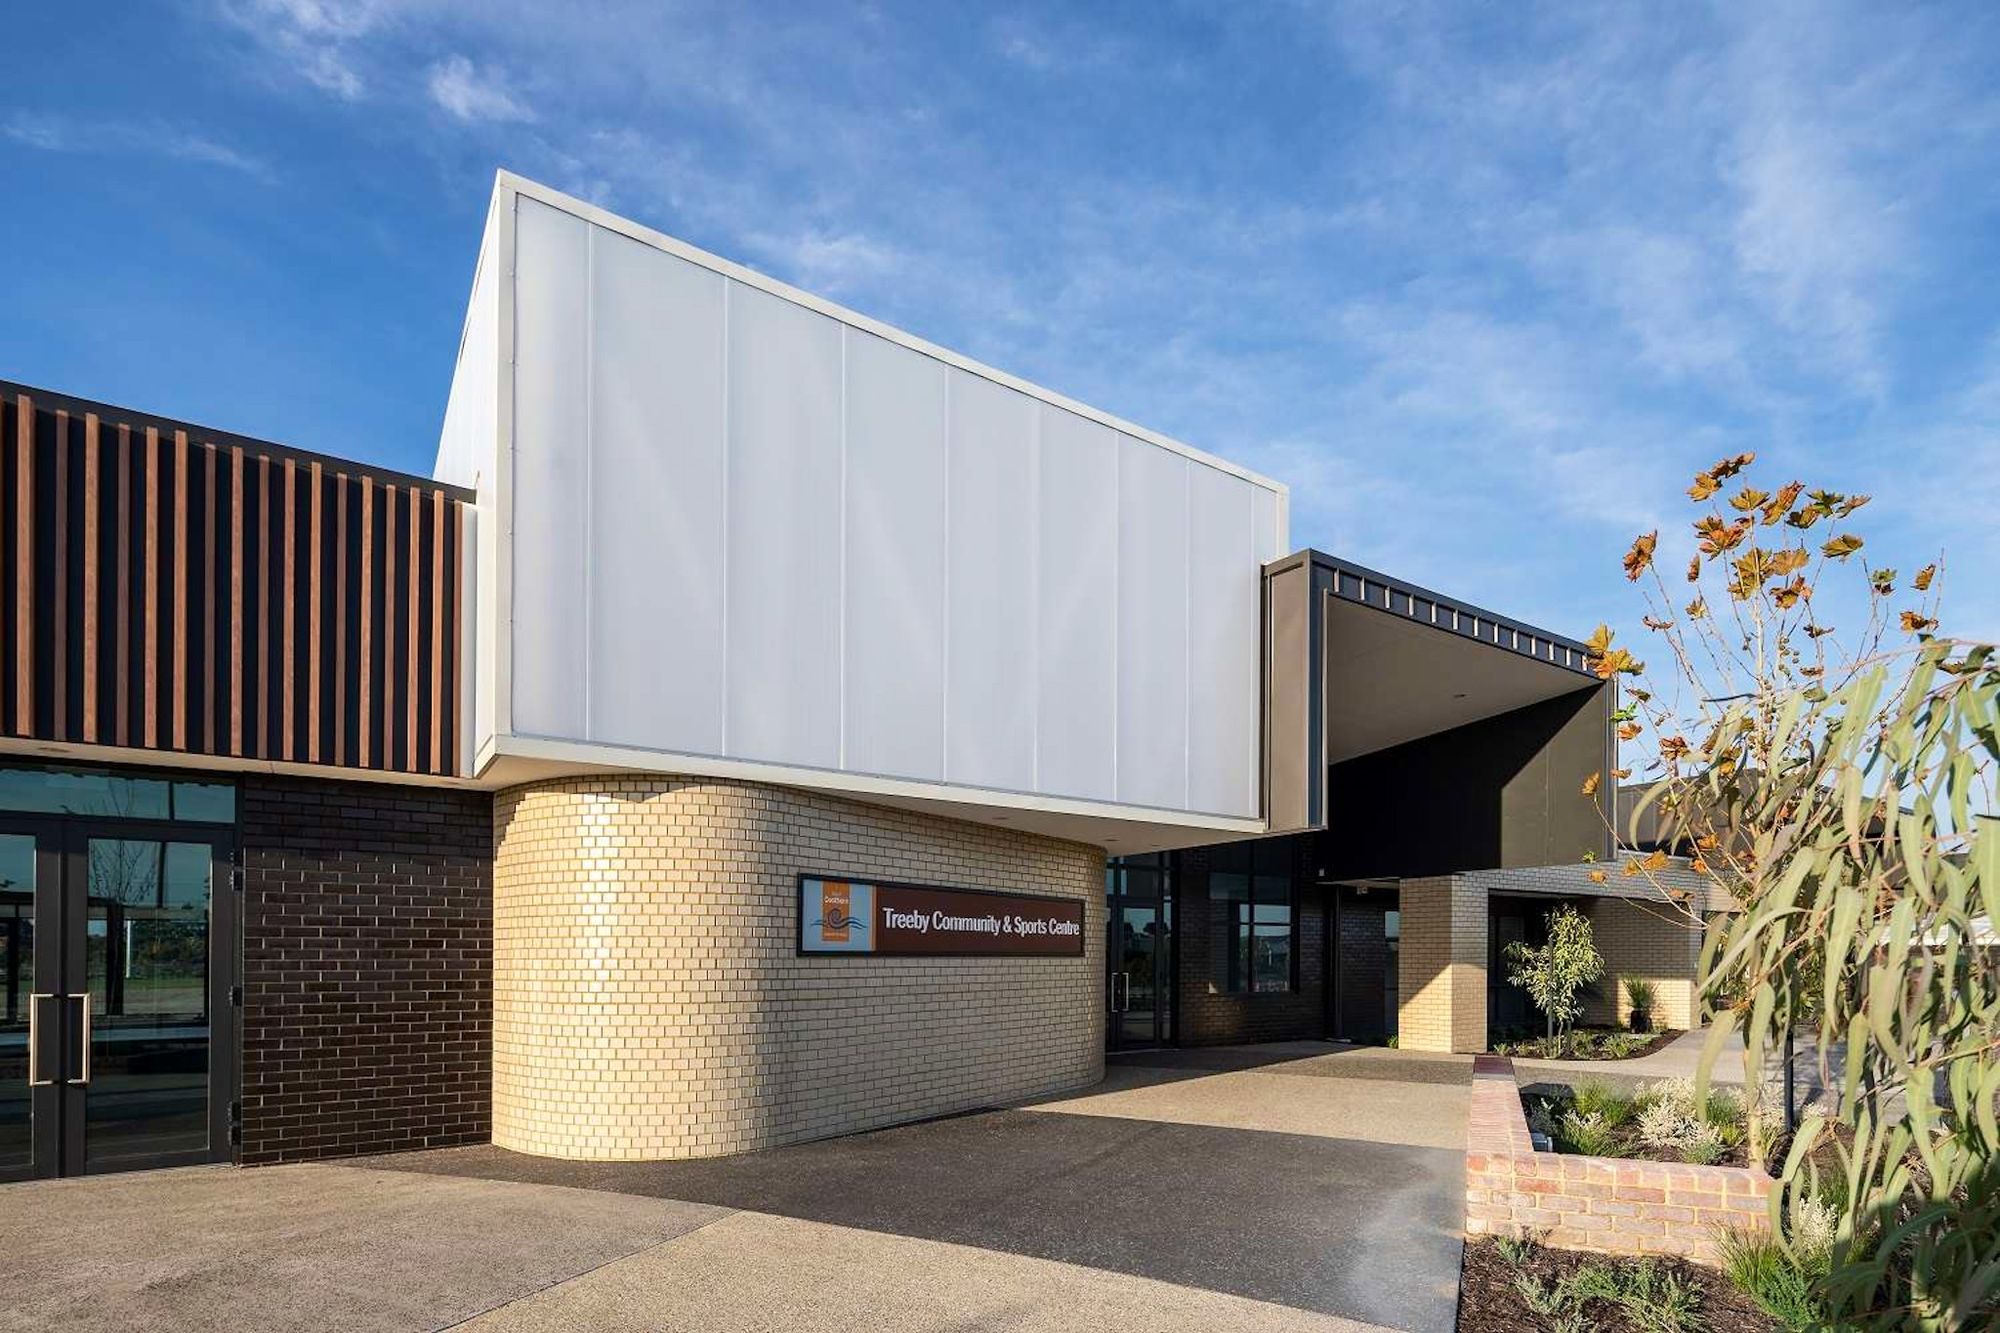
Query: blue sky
1483, 283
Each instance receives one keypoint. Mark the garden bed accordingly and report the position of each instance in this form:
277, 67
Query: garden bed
1575, 1291
1659, 1123
1588, 1044
1606, 1204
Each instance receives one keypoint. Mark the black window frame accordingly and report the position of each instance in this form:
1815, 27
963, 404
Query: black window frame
1261, 864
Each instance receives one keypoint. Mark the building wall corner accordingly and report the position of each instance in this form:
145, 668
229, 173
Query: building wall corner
650, 1001
1441, 968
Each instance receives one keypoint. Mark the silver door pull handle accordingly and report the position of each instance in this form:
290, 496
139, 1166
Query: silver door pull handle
35, 1079
84, 1079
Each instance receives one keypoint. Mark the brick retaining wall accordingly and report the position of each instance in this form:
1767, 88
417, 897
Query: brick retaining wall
1610, 1205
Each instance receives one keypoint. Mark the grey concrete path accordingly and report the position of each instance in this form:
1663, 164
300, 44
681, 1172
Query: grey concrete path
305, 1248
1309, 1187
1322, 1089
751, 1271
1679, 1059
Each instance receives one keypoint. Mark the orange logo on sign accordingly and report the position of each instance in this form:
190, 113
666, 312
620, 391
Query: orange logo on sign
833, 907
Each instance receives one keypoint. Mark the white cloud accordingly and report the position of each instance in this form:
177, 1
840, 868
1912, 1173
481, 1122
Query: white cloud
473, 94
833, 262
1485, 295
56, 134
313, 39
43, 132
1814, 240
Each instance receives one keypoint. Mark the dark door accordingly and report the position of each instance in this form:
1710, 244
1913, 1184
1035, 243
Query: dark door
1139, 953
120, 1039
1364, 931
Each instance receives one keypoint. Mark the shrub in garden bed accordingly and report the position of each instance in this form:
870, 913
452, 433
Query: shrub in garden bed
1510, 1285
1586, 1044
1661, 1123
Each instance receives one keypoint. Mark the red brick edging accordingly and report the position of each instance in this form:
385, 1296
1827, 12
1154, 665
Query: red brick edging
1610, 1205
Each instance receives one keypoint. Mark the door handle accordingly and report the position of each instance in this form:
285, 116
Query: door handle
35, 1079
84, 1079
1126, 1007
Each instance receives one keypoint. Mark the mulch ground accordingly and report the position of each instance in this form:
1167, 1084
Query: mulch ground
1488, 1303
1657, 1040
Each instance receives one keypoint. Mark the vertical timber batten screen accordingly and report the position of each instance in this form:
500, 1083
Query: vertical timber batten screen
162, 589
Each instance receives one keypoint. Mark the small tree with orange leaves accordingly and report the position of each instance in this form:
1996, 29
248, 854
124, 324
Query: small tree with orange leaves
1839, 787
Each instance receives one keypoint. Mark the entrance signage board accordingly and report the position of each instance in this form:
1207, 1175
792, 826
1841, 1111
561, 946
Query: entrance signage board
839, 916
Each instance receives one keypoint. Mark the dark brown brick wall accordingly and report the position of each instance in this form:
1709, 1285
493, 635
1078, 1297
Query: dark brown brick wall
367, 968
1212, 1017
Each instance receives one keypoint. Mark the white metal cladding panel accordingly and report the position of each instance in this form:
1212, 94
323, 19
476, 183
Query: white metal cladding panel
811, 545
1152, 624
1265, 514
1077, 625
894, 636
1225, 661
656, 499
991, 560
468, 455
467, 442
551, 435
784, 547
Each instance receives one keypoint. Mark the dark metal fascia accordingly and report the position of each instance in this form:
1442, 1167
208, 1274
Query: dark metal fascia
1393, 596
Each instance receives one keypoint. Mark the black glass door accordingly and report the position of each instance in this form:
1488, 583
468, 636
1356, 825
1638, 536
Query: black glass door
117, 1049
1139, 953
31, 1020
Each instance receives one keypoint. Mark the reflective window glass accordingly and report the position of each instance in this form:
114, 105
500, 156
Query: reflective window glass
107, 795
1250, 906
208, 802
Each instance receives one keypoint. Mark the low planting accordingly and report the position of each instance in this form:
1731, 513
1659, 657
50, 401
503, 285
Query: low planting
1640, 997
1596, 1043
1515, 1283
1785, 1277
1664, 1122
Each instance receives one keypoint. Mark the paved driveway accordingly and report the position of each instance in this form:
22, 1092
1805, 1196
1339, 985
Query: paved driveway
1299, 1187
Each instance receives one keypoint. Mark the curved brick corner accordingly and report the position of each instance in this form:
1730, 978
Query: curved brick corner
649, 1001
1607, 1204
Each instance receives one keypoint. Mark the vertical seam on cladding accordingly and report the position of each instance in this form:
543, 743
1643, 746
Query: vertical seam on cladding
728, 457
1187, 633
1117, 595
1255, 739
944, 585
840, 603
1035, 593
589, 452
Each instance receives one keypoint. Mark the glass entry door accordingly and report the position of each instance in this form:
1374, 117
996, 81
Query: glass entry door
1139, 954
117, 1049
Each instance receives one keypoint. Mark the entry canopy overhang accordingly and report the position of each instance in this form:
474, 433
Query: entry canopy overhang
1425, 734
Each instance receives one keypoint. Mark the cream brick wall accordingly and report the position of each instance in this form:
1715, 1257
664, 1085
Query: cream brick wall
649, 1001
1441, 968
1641, 925
1648, 940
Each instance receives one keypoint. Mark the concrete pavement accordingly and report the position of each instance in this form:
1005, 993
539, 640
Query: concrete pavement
305, 1248
1680, 1058
1309, 1188
753, 1273
1369, 1093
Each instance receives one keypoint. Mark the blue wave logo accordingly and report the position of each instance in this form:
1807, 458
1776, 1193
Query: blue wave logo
841, 921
